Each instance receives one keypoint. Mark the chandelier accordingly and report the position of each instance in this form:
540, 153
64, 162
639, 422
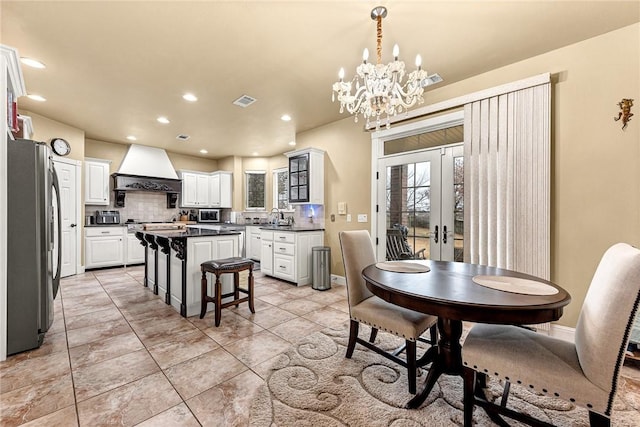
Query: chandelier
379, 89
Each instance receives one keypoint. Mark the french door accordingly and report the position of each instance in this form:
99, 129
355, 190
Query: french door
421, 194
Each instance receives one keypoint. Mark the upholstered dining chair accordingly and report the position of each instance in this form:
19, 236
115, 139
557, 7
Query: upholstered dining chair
586, 372
364, 307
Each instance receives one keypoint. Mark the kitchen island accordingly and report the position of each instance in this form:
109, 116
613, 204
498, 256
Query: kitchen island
173, 258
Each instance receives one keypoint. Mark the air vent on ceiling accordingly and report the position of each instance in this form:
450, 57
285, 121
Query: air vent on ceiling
182, 137
244, 101
431, 80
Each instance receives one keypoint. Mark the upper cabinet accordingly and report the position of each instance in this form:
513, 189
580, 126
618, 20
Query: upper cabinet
203, 190
220, 189
195, 189
96, 182
306, 176
13, 86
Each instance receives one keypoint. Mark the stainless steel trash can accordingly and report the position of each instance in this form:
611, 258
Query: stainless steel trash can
321, 262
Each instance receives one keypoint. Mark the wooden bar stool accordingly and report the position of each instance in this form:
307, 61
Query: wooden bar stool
218, 267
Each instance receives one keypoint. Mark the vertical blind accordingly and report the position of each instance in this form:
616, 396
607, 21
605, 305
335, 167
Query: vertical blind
507, 181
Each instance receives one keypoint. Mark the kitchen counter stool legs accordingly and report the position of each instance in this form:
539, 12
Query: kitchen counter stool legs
218, 267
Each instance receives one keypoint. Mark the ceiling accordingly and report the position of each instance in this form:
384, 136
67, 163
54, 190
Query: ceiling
113, 67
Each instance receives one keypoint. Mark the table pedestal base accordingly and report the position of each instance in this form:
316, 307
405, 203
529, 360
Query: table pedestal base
447, 361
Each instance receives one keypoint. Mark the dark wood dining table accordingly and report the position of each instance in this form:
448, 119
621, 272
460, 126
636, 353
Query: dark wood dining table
449, 292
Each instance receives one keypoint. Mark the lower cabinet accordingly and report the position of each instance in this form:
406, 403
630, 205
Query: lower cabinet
104, 246
291, 254
266, 255
253, 242
111, 246
135, 251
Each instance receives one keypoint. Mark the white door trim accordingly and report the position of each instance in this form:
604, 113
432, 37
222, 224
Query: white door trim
377, 149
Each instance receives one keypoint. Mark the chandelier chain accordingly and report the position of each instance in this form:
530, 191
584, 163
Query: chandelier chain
379, 38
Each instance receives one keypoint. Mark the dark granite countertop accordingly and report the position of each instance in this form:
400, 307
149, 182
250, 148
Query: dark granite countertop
188, 232
289, 228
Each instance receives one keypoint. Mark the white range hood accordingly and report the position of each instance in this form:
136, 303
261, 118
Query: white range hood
153, 162
146, 169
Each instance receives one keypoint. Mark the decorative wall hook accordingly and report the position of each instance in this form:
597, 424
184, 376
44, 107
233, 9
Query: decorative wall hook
625, 112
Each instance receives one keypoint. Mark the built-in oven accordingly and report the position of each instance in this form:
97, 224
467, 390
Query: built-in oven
209, 215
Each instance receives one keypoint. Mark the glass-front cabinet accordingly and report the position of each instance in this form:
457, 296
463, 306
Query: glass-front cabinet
306, 176
299, 179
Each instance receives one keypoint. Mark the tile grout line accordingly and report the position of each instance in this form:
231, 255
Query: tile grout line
150, 355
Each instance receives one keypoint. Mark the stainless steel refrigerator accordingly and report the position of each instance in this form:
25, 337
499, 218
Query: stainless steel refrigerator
33, 236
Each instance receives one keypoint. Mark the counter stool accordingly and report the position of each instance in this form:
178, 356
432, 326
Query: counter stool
218, 267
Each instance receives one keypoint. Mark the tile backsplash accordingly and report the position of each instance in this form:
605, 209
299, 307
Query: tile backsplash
143, 206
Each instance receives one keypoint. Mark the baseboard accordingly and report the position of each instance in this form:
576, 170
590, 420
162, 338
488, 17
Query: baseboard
338, 280
563, 332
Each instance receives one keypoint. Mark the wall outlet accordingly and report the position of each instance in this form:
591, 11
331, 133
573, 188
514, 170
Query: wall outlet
348, 217
362, 217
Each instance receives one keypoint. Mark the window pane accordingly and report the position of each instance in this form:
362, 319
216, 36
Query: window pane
256, 190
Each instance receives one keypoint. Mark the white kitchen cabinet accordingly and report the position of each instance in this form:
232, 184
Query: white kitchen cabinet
134, 250
254, 245
96, 182
220, 189
199, 250
292, 251
195, 189
266, 254
206, 190
306, 176
104, 246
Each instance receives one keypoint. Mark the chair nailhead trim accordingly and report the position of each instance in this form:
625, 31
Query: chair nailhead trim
531, 386
398, 334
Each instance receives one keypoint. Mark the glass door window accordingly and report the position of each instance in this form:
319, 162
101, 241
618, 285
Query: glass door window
423, 200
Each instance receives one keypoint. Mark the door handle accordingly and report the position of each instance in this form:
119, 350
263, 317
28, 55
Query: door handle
444, 234
435, 236
72, 225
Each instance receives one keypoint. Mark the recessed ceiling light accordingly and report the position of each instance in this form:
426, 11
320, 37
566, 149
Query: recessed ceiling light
32, 63
255, 153
203, 151
131, 138
285, 118
292, 143
36, 97
163, 120
190, 97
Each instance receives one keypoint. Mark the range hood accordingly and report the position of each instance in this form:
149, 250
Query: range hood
146, 169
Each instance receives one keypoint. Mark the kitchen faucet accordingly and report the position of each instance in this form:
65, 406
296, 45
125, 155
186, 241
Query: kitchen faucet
278, 215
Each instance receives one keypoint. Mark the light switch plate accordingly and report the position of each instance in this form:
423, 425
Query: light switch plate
348, 217
342, 208
362, 217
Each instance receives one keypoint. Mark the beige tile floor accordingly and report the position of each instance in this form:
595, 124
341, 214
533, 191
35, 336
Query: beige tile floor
117, 355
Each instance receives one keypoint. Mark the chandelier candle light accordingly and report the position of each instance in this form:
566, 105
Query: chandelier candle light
379, 89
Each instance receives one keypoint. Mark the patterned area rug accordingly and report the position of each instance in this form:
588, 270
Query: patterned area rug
314, 385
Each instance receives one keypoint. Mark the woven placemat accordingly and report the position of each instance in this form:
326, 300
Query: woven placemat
412, 266
515, 285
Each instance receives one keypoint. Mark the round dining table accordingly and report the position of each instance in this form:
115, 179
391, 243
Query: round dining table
457, 292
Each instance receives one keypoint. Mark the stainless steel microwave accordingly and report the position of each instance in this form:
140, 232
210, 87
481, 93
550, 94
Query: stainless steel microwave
209, 215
